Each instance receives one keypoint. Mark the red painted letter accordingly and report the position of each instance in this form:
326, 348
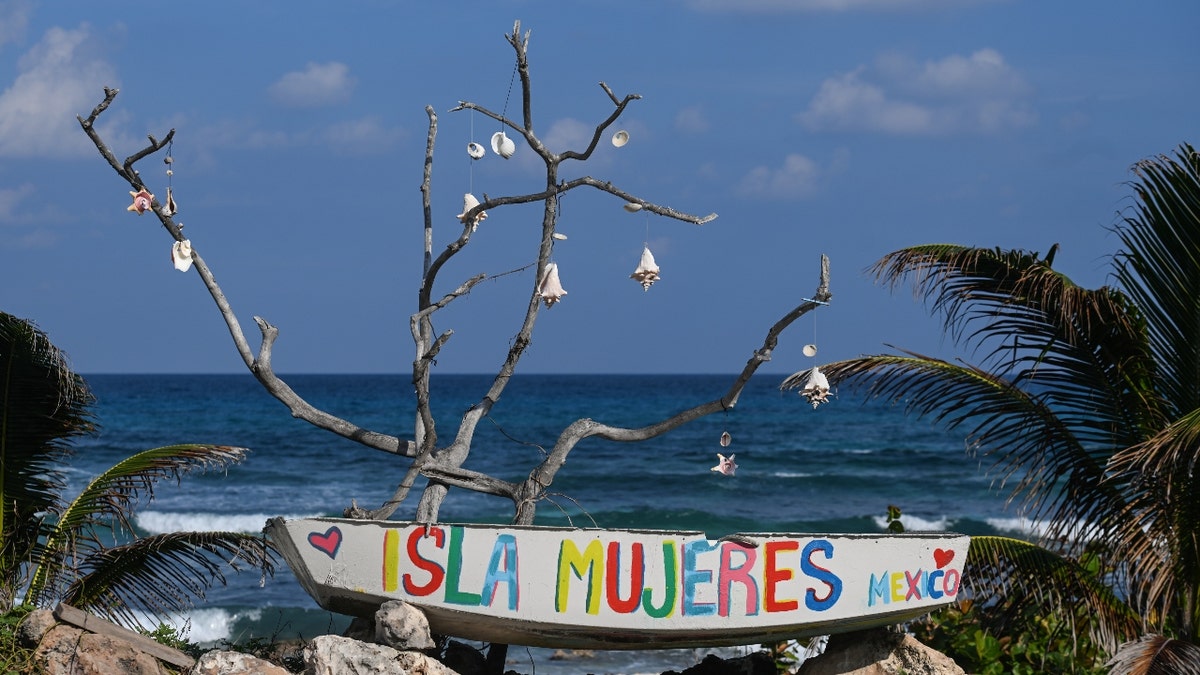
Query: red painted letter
436, 574
613, 575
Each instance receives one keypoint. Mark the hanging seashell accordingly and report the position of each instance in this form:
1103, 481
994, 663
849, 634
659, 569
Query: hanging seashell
620, 138
647, 272
503, 145
559, 236
475, 150
181, 255
470, 202
550, 287
170, 208
810, 350
726, 439
633, 207
725, 465
816, 388
142, 201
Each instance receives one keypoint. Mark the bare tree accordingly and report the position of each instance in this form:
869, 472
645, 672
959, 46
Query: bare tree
442, 464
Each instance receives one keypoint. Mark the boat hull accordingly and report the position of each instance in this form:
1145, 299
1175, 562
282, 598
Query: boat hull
621, 589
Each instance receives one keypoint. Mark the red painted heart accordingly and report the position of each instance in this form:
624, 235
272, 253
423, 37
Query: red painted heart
941, 556
329, 542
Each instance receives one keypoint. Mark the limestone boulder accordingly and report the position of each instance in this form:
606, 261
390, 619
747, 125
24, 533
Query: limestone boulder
878, 651
235, 663
401, 626
66, 650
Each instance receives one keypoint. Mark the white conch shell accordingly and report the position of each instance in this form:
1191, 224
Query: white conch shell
550, 287
470, 202
647, 272
475, 150
816, 388
503, 145
620, 138
181, 255
170, 208
810, 350
633, 207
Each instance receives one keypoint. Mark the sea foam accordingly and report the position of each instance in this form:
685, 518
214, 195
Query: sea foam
162, 522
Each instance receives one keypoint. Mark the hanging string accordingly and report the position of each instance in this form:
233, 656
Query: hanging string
470, 159
511, 79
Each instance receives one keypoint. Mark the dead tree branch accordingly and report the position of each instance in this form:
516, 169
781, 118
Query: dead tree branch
442, 464
533, 489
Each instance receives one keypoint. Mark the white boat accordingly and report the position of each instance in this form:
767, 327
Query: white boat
621, 589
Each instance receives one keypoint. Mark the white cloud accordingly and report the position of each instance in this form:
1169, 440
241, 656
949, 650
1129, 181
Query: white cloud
566, 134
796, 179
59, 78
362, 136
317, 85
691, 121
792, 6
978, 93
10, 198
14, 18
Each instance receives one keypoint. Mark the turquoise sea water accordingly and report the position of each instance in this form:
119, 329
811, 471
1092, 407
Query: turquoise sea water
832, 469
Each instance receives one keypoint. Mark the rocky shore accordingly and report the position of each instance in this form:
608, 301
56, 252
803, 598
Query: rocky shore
398, 642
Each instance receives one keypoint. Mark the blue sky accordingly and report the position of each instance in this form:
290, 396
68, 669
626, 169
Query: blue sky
845, 127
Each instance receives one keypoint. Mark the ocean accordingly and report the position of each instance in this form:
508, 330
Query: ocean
833, 469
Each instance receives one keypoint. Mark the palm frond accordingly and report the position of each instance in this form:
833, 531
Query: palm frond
110, 498
1160, 267
1007, 576
43, 405
164, 574
1030, 445
1156, 655
1160, 533
1033, 324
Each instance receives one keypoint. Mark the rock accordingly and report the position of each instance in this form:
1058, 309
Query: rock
334, 655
755, 663
34, 626
399, 625
235, 663
66, 650
878, 651
464, 659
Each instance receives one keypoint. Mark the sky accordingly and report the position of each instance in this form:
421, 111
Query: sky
849, 128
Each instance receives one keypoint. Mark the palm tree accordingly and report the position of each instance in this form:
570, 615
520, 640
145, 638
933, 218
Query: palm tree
83, 552
1088, 402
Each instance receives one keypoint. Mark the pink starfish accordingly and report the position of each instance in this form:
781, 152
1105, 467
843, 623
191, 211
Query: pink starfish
726, 465
141, 201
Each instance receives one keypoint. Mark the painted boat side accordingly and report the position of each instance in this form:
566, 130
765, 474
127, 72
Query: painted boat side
621, 589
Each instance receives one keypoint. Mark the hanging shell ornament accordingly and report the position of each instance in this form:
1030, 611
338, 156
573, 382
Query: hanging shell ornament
620, 138
550, 288
726, 439
470, 202
647, 271
559, 236
816, 388
725, 465
633, 207
142, 201
181, 255
810, 350
475, 150
170, 208
503, 145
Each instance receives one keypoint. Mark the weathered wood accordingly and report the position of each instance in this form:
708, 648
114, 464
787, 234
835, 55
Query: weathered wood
94, 624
